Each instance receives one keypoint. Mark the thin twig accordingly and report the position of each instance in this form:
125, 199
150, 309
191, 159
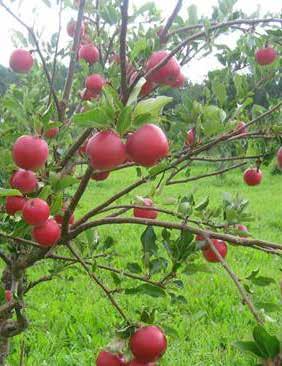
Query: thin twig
170, 20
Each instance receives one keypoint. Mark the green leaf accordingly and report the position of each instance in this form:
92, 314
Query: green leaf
157, 265
65, 182
148, 239
142, 118
148, 316
192, 15
249, 347
262, 281
146, 289
268, 345
135, 92
124, 120
9, 192
193, 268
154, 106
96, 118
268, 306
134, 267
202, 205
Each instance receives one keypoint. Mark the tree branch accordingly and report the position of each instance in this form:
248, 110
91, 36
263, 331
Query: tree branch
170, 20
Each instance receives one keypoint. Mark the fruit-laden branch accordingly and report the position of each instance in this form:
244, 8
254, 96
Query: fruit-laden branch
72, 150
56, 50
226, 24
246, 242
218, 172
170, 20
33, 36
231, 158
235, 279
99, 283
76, 40
122, 51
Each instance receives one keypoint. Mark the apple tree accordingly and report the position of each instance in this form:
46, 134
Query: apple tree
124, 102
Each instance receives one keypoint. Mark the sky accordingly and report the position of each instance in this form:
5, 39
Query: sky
47, 19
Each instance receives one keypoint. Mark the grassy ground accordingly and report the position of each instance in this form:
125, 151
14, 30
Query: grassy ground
71, 320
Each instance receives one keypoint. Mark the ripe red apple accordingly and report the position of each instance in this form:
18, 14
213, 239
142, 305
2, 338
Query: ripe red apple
279, 158
190, 137
266, 55
179, 82
145, 213
72, 26
89, 53
21, 61
106, 150
14, 204
252, 176
24, 180
59, 218
167, 73
148, 344
221, 247
36, 211
241, 128
87, 94
95, 83
30, 152
52, 132
8, 295
115, 58
147, 88
147, 146
100, 176
109, 359
242, 228
47, 234
137, 363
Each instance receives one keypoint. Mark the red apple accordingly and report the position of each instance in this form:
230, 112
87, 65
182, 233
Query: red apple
179, 82
21, 61
266, 55
147, 146
8, 295
148, 344
106, 150
72, 26
242, 228
36, 211
252, 176
47, 234
109, 359
30, 152
89, 53
279, 158
241, 128
52, 132
24, 180
221, 247
95, 83
147, 88
59, 218
146, 213
115, 58
87, 94
167, 73
100, 176
190, 137
14, 204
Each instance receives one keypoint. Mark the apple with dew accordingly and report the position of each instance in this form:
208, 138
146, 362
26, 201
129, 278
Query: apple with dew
210, 255
47, 234
166, 74
30, 152
148, 145
89, 53
144, 212
105, 150
21, 61
266, 56
148, 344
24, 180
14, 204
252, 176
36, 211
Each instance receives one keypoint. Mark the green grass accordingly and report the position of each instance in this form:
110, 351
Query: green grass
70, 319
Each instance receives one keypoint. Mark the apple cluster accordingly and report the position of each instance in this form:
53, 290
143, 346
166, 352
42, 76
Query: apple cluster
147, 345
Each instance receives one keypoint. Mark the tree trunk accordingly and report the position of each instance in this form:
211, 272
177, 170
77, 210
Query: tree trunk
4, 350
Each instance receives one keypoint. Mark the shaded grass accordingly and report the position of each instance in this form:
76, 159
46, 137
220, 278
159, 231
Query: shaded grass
71, 320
